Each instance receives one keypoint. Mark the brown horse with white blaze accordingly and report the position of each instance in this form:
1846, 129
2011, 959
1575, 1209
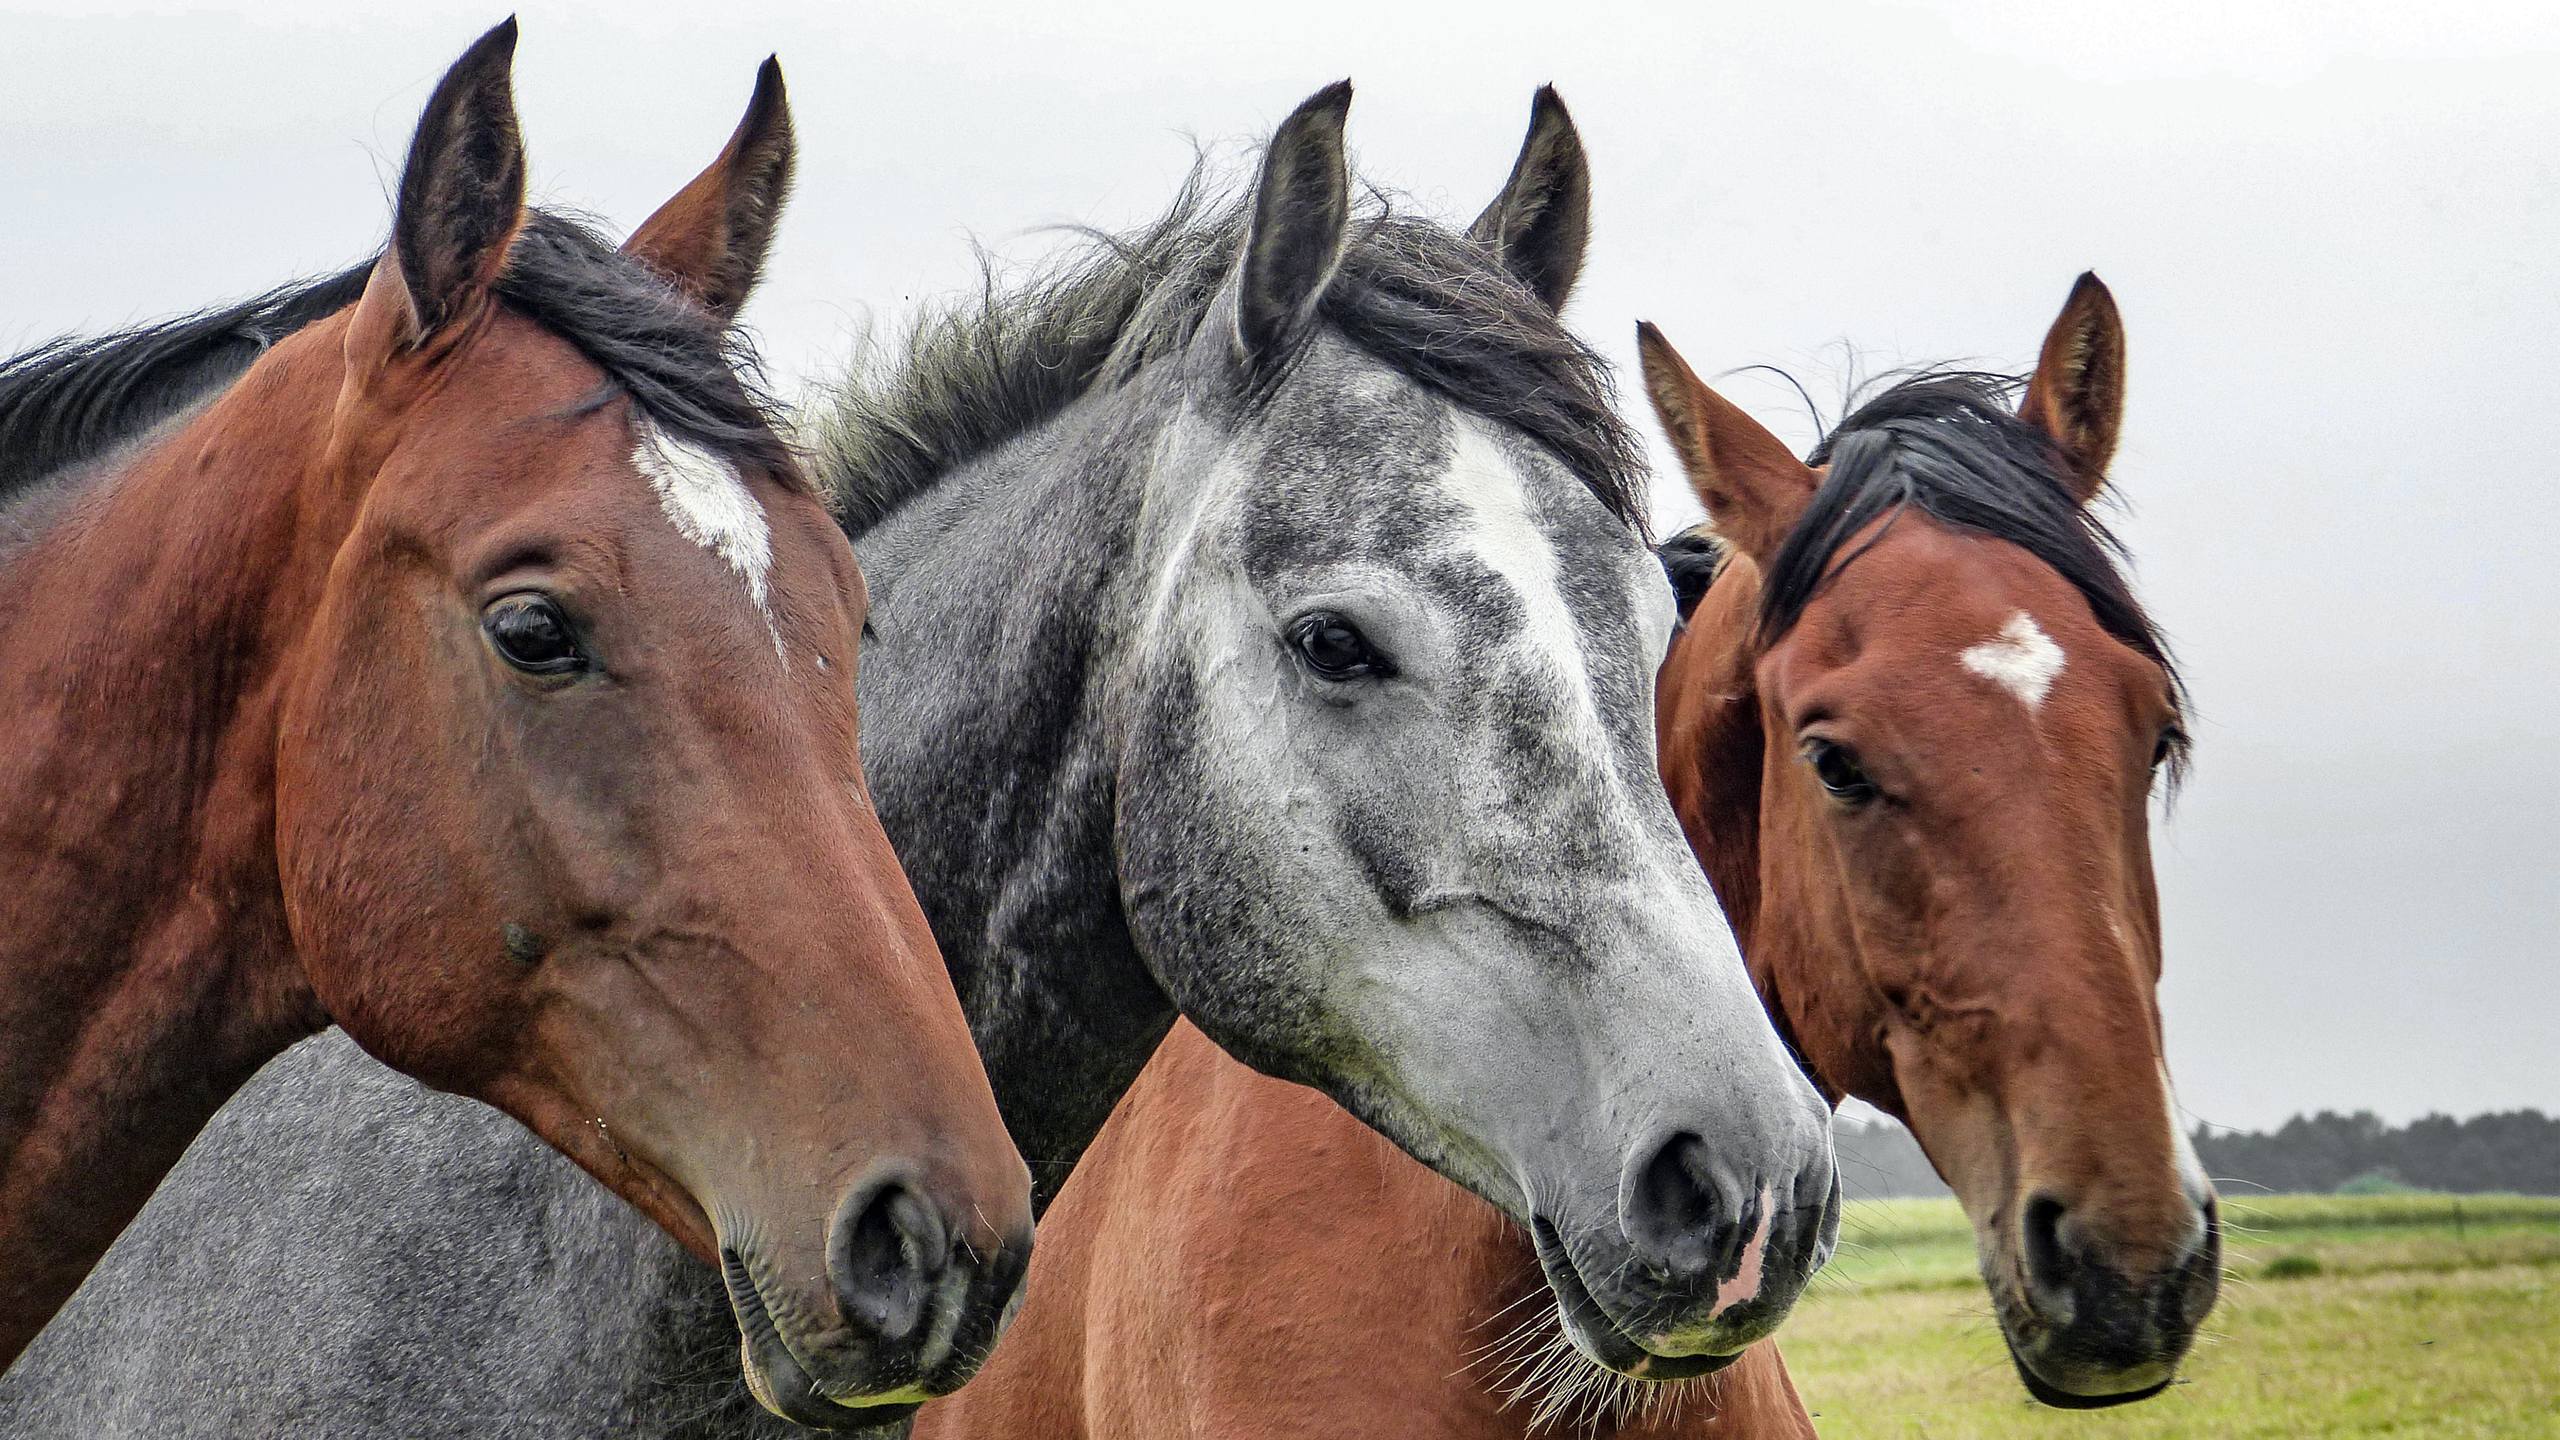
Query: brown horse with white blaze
1959, 713
476, 672
1912, 729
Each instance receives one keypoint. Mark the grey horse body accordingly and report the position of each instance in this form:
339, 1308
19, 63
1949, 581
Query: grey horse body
1455, 897
344, 1252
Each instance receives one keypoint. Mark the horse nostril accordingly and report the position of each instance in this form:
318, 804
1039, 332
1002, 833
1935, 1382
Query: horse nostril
886, 1255
1673, 1209
2049, 1266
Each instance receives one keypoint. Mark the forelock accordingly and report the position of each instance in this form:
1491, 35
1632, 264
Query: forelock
1951, 444
686, 370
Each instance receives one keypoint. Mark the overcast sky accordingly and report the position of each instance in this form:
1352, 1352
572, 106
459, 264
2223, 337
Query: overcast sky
2331, 227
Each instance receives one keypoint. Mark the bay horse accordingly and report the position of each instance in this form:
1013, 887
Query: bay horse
1263, 633
1912, 728
473, 668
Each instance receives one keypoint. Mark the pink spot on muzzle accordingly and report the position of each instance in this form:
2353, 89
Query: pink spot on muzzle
1745, 1284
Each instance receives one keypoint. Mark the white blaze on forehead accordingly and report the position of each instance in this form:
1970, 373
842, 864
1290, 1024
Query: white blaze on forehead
2021, 659
1505, 536
709, 504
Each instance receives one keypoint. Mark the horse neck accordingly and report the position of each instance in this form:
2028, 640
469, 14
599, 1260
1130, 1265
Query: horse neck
145, 964
1001, 601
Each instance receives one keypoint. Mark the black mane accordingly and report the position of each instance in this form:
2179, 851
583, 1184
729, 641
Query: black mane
1951, 444
71, 401
1692, 559
1418, 296
695, 377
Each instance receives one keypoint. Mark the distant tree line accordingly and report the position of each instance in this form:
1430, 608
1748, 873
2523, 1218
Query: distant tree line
2509, 1150
2514, 1150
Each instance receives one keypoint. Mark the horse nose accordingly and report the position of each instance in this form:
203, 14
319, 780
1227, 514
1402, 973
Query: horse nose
2074, 1282
2052, 1264
889, 1255
1680, 1214
1705, 1223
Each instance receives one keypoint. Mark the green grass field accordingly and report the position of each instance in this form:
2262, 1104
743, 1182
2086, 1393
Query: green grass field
2405, 1315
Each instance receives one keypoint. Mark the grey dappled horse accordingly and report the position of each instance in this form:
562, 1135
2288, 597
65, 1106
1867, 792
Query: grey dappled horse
1262, 629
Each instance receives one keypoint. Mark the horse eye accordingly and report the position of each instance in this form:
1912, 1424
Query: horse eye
1838, 770
531, 634
1334, 648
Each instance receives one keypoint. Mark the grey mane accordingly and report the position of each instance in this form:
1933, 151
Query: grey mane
1426, 300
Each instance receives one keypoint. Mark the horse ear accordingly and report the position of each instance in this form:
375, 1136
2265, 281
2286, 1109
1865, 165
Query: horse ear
462, 192
1753, 486
1540, 224
1301, 216
711, 240
2077, 395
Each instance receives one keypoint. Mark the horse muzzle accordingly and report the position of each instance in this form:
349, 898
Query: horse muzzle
1706, 1268
2083, 1333
917, 1305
